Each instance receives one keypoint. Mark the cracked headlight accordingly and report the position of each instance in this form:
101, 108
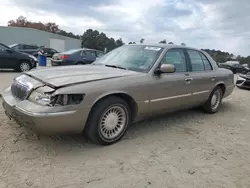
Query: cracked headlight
56, 100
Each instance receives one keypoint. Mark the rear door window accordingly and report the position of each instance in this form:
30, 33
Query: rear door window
89, 53
206, 62
29, 47
196, 61
99, 54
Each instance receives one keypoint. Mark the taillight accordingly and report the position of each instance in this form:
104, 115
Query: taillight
63, 57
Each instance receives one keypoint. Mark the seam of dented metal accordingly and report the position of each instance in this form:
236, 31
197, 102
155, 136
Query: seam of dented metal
41, 114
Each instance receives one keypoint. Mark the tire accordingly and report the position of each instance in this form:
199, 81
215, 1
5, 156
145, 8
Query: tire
97, 128
24, 66
212, 105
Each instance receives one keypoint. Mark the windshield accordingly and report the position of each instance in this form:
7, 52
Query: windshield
3, 47
12, 45
132, 57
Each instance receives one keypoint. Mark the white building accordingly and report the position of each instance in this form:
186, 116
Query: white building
16, 35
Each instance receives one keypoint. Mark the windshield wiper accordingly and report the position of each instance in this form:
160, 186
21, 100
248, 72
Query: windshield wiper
115, 66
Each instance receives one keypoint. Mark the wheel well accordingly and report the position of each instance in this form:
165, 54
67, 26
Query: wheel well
127, 98
24, 60
223, 88
79, 62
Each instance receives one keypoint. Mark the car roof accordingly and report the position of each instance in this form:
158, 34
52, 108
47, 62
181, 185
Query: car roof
165, 45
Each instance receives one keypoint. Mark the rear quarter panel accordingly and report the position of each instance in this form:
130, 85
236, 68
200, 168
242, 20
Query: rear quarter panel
226, 77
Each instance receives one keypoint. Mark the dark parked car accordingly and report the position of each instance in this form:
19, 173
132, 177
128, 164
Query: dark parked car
48, 52
27, 48
80, 56
243, 81
11, 59
235, 68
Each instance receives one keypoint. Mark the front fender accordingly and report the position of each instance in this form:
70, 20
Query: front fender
106, 94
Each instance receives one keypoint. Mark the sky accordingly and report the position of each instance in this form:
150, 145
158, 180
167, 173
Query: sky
213, 24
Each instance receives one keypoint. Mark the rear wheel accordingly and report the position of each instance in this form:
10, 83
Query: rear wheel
108, 121
24, 66
213, 103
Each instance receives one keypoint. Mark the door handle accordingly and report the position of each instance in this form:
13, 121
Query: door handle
213, 78
188, 79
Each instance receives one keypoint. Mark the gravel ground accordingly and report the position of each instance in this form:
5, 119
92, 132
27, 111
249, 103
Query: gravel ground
180, 150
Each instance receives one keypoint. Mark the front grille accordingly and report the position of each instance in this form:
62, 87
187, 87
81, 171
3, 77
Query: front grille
239, 81
19, 90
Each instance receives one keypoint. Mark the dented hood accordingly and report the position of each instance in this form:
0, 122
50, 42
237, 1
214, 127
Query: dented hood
68, 75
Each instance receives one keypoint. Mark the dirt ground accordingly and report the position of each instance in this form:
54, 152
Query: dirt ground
180, 150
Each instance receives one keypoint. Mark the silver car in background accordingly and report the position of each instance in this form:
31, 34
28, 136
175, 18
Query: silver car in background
130, 83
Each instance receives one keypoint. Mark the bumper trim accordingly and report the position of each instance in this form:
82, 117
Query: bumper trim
40, 114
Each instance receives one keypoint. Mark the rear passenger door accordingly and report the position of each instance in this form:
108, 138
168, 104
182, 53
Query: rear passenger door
99, 54
201, 74
89, 56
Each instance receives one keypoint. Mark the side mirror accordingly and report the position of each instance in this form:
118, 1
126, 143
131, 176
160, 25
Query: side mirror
165, 68
9, 50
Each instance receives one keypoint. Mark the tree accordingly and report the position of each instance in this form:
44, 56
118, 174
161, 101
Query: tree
170, 43
142, 40
89, 39
52, 27
21, 21
183, 44
119, 42
163, 41
95, 40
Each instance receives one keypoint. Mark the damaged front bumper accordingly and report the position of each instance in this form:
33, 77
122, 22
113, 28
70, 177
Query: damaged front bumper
44, 119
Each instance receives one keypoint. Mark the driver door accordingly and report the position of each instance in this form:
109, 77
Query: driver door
169, 91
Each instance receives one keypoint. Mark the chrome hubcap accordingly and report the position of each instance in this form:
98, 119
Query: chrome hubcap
24, 67
113, 122
215, 101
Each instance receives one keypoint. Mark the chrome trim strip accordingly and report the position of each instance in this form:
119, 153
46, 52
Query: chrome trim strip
200, 92
231, 85
172, 97
38, 114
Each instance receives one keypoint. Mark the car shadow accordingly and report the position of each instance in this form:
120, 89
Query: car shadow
7, 70
78, 143
66, 145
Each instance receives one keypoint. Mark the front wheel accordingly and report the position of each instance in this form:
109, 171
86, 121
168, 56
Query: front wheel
108, 121
24, 66
213, 103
